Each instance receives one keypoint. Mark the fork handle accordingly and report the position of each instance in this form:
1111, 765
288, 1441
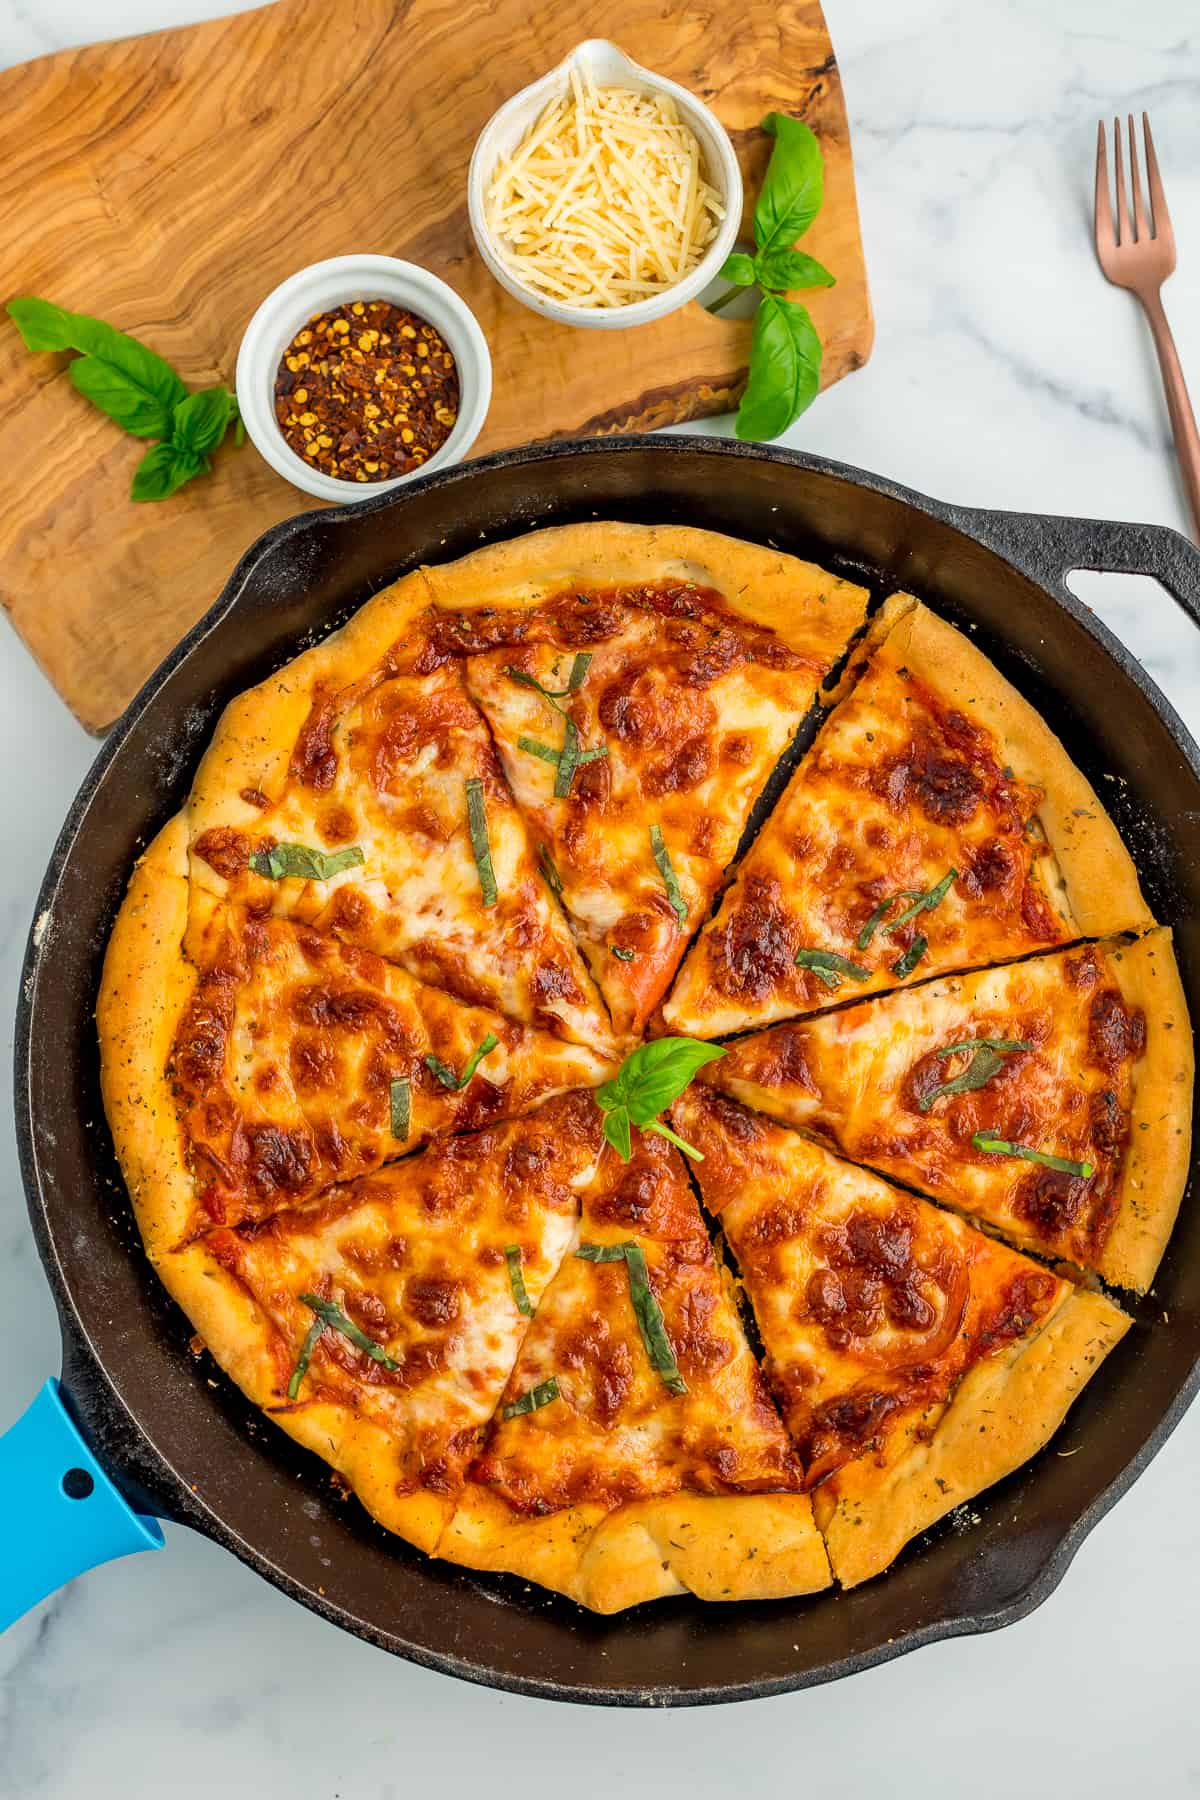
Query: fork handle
1183, 419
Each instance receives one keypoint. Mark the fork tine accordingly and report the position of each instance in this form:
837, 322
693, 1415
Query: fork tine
1123, 231
1158, 200
1141, 222
1104, 221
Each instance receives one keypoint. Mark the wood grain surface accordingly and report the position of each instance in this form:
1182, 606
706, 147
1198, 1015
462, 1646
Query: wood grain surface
167, 183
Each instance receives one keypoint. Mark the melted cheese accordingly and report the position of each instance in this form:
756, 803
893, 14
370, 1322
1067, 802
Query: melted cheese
857, 1076
894, 794
605, 200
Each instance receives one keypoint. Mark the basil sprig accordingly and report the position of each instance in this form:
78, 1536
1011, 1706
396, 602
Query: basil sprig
331, 1318
646, 1309
303, 861
785, 351
649, 1079
987, 1059
670, 880
994, 1146
533, 1399
516, 1280
829, 967
481, 848
445, 1073
132, 385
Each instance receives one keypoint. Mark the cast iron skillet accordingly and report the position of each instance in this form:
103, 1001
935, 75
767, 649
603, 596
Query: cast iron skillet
199, 1454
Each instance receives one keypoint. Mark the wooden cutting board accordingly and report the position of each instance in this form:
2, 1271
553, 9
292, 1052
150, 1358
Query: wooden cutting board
167, 183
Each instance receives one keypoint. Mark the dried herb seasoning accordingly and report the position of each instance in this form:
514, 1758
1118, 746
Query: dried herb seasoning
366, 391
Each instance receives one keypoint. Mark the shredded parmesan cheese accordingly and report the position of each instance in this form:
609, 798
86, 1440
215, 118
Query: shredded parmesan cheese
605, 200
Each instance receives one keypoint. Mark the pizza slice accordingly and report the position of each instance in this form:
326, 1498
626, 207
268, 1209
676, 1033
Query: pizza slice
1050, 1098
636, 1452
641, 684
358, 790
936, 823
378, 1324
249, 1062
915, 1360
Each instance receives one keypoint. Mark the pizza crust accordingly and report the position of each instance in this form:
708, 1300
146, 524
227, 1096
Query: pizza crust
813, 611
1158, 1158
717, 1547
145, 987
1099, 881
1002, 1413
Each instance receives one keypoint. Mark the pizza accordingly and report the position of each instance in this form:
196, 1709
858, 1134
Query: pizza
398, 1016
1048, 1098
915, 1360
935, 824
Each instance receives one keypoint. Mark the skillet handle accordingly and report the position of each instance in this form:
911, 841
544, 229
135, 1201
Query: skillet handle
59, 1512
1047, 548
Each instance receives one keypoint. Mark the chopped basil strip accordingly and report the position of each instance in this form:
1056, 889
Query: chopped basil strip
480, 847
516, 1279
904, 965
665, 869
575, 680
995, 1146
303, 861
445, 1073
545, 751
533, 1398
550, 874
621, 953
401, 1102
311, 1338
988, 1044
829, 967
868, 931
923, 902
336, 1320
646, 1309
566, 760
986, 1061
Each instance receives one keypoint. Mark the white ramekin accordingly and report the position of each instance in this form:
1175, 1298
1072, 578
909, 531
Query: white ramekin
608, 67
332, 283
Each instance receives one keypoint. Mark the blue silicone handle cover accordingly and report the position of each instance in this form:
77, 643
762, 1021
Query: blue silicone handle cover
59, 1512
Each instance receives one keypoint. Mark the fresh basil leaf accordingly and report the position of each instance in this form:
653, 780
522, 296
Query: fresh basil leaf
199, 422
994, 1146
785, 369
480, 846
400, 1098
164, 469
516, 1280
793, 187
791, 269
533, 1399
303, 862
311, 1338
670, 880
121, 399
978, 1072
738, 268
908, 960
45, 326
445, 1073
618, 1132
338, 1321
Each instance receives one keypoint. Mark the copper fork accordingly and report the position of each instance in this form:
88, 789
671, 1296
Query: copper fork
1140, 257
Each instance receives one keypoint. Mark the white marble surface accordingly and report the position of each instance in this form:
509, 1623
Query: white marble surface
1005, 373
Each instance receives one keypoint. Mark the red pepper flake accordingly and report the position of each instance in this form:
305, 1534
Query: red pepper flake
366, 392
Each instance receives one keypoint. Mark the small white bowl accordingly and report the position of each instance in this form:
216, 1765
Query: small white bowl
332, 283
608, 67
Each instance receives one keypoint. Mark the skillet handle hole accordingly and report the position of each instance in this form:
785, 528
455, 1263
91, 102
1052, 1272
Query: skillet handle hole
77, 1484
